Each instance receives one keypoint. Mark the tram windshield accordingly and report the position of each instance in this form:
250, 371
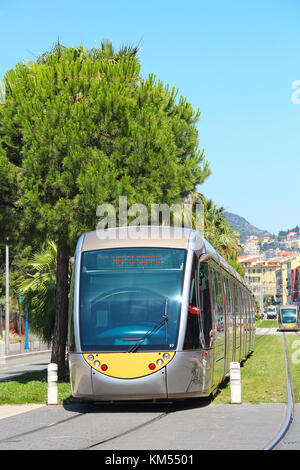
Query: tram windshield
288, 315
125, 292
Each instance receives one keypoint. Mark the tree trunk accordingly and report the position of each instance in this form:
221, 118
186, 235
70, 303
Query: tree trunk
61, 314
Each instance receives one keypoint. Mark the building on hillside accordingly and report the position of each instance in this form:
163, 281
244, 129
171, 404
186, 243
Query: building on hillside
278, 278
251, 246
261, 275
288, 280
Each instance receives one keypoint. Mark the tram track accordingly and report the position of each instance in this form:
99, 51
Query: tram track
272, 445
129, 431
266, 332
290, 405
15, 438
161, 411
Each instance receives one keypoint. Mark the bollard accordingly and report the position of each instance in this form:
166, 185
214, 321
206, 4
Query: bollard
235, 382
2, 353
52, 384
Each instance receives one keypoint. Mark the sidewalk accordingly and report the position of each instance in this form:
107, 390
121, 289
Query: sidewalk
17, 349
20, 360
12, 410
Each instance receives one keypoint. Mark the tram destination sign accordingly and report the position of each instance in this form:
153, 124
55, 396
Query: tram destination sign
136, 261
145, 258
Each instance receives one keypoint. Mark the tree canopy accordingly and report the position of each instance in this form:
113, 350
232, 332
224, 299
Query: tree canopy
81, 128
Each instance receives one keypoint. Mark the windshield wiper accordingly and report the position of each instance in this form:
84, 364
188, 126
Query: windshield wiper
156, 327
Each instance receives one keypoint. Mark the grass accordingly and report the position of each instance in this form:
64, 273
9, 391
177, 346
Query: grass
266, 324
32, 388
293, 345
262, 376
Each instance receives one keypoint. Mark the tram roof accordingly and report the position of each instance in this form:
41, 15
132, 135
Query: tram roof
155, 236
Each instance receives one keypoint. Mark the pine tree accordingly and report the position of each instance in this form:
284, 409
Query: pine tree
84, 128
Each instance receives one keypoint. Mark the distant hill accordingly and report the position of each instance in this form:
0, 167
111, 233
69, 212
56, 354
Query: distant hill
243, 226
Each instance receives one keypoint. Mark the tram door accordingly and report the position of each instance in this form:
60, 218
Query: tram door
229, 323
218, 322
245, 333
243, 324
249, 324
237, 326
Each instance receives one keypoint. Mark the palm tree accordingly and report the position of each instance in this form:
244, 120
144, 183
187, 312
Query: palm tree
218, 232
38, 288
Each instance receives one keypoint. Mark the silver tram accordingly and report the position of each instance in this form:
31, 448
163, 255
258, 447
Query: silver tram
154, 317
289, 318
271, 312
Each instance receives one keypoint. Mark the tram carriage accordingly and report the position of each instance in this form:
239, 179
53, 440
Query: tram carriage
154, 318
289, 318
271, 313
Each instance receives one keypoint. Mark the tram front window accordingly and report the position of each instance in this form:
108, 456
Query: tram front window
127, 292
288, 315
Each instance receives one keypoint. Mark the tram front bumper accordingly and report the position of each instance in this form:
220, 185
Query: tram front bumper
119, 376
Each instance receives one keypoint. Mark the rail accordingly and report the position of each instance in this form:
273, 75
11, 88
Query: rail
290, 404
266, 332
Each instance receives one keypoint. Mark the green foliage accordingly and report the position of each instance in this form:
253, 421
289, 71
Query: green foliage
9, 176
87, 128
219, 233
263, 374
37, 285
233, 261
81, 128
31, 387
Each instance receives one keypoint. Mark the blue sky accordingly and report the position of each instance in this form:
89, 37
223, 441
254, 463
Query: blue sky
236, 60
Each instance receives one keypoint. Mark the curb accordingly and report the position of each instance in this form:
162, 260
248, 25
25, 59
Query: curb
13, 356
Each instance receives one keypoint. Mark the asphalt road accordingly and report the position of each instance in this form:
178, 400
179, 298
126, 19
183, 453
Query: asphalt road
16, 365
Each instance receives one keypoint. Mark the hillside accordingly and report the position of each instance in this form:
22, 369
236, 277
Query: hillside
243, 226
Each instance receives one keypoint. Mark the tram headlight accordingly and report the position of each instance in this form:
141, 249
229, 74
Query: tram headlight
166, 356
159, 362
96, 363
90, 357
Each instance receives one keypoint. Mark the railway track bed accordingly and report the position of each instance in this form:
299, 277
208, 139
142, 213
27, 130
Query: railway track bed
191, 425
137, 427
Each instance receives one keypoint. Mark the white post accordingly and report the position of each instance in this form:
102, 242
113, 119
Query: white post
2, 353
6, 299
235, 382
52, 384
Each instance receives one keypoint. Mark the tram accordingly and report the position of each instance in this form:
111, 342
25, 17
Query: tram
289, 318
271, 313
154, 317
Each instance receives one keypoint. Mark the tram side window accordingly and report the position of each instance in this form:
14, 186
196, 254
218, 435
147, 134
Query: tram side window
217, 295
199, 322
205, 306
71, 335
228, 301
237, 305
193, 327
